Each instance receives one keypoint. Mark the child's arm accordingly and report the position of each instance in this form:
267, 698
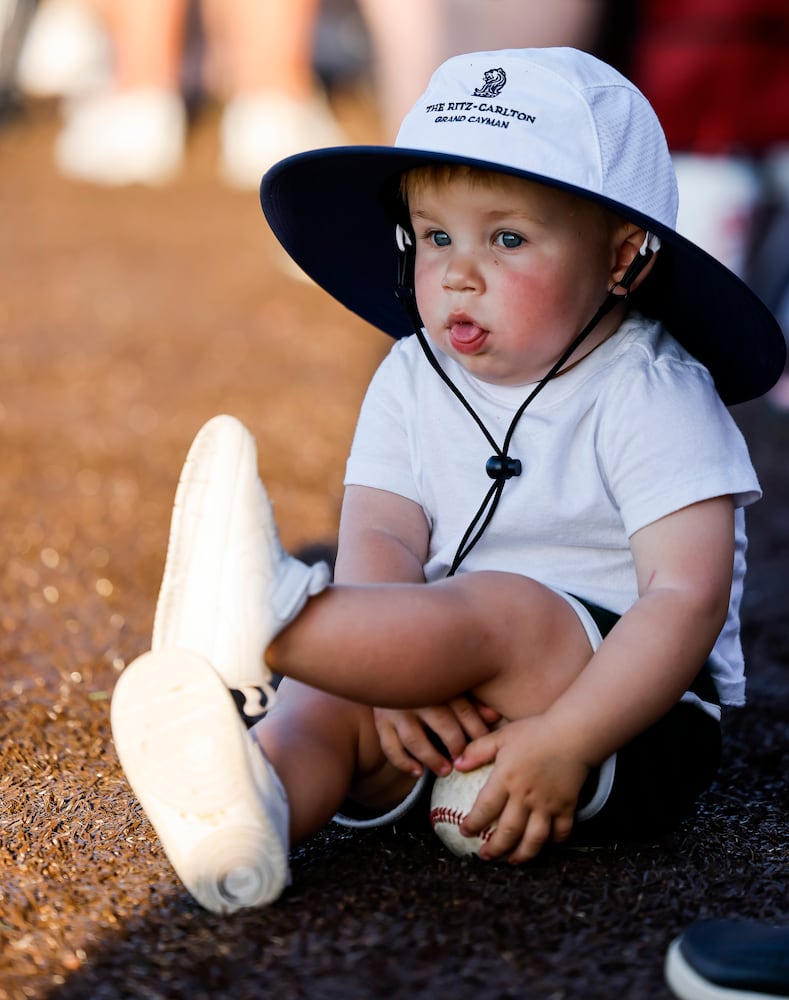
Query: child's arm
684, 566
384, 539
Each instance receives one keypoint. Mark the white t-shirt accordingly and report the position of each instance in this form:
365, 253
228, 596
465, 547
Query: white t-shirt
634, 432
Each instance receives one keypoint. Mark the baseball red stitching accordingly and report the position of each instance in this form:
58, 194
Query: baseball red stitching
443, 814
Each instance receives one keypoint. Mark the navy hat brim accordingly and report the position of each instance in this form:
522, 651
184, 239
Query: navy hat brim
334, 211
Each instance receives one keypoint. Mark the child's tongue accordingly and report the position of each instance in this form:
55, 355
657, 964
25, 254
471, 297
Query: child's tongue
466, 337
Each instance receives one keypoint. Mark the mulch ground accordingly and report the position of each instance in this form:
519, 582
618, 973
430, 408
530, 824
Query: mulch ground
126, 320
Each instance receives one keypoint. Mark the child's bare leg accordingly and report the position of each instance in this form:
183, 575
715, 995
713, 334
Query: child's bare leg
322, 746
514, 643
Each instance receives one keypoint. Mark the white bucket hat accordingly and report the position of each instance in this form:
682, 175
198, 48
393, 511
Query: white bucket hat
556, 116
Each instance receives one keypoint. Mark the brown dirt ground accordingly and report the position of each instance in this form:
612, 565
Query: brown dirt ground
126, 320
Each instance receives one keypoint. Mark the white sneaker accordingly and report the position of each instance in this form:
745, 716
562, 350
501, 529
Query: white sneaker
258, 130
66, 51
214, 800
228, 587
129, 137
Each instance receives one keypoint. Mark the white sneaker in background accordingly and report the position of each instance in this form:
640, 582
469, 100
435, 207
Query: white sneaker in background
66, 51
228, 586
125, 137
215, 802
259, 129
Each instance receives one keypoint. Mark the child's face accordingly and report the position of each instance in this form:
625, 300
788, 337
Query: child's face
507, 271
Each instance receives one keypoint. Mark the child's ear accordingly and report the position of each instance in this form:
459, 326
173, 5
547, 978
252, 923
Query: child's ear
631, 239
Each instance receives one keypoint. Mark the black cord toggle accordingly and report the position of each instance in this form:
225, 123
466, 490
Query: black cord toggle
501, 467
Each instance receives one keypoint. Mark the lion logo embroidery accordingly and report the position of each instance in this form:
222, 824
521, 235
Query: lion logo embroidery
494, 83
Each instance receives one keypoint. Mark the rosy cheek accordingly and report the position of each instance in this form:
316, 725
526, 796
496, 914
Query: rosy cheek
523, 291
428, 280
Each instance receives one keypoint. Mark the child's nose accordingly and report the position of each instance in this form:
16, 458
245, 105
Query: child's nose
462, 272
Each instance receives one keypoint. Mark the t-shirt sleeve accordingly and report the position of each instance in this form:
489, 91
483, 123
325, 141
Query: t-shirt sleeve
381, 450
668, 441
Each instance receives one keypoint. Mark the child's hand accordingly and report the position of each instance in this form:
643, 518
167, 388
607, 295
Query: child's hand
531, 793
408, 746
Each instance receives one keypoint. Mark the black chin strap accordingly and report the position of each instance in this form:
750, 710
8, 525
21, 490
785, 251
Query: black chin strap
500, 467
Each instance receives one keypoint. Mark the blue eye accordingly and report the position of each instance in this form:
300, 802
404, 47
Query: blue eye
509, 240
439, 238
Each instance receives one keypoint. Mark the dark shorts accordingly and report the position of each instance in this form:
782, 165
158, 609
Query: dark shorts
645, 788
653, 782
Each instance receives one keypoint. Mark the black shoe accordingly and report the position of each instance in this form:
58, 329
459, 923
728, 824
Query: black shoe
729, 960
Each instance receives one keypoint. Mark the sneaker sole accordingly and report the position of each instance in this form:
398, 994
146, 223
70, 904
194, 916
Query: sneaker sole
221, 460
186, 755
685, 982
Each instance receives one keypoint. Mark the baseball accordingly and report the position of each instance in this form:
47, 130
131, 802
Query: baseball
451, 801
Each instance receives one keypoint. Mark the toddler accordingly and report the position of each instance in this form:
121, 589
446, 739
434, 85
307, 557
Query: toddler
541, 548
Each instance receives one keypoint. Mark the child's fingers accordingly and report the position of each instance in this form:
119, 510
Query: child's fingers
418, 746
508, 832
487, 808
446, 725
488, 714
480, 751
536, 833
394, 750
469, 715
563, 827
424, 750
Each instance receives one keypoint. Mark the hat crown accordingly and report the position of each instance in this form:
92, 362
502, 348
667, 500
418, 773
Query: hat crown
560, 114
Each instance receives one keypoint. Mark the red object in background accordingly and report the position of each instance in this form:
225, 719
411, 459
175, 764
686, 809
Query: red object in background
716, 72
